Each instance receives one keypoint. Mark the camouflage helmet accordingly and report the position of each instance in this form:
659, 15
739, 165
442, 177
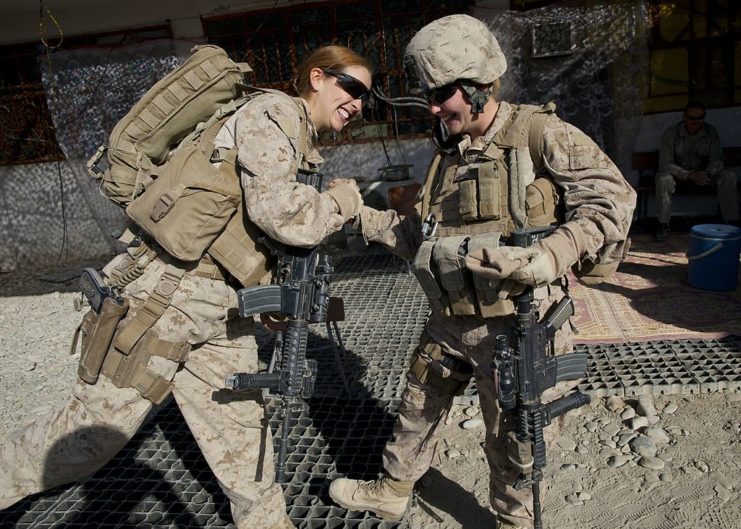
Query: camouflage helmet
451, 48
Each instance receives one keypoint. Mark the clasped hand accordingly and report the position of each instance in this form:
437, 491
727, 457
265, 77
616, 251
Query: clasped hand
530, 266
346, 193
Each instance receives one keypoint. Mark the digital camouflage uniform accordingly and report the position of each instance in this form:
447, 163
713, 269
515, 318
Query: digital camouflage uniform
599, 204
681, 153
231, 429
527, 169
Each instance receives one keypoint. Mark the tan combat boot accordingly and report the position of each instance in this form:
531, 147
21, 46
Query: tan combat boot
386, 497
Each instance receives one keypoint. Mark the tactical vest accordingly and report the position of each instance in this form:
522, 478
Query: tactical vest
191, 206
476, 204
194, 204
236, 248
184, 195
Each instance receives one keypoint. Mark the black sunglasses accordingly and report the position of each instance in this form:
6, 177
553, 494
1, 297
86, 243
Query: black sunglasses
442, 94
349, 84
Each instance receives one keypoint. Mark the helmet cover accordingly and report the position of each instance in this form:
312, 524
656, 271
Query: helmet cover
452, 48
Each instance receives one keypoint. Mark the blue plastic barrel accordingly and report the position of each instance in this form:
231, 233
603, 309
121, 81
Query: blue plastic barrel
713, 256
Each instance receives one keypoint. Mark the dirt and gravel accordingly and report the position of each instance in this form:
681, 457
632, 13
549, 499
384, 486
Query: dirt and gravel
664, 462
37, 321
614, 466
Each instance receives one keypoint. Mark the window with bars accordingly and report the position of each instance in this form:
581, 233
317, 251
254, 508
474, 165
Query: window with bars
274, 42
695, 53
27, 135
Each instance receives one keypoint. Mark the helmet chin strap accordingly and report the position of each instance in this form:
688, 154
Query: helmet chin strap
477, 97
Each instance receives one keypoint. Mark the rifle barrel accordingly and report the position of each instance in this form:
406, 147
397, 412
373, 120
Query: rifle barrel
567, 403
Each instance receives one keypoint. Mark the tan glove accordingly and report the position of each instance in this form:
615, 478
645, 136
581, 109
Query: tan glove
538, 265
346, 194
497, 263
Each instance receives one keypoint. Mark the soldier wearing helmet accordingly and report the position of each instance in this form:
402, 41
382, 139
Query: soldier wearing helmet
500, 167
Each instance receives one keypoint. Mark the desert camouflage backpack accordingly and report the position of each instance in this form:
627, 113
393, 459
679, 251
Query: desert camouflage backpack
166, 113
160, 155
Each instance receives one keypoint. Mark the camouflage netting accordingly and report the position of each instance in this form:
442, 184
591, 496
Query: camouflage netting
592, 61
45, 219
88, 91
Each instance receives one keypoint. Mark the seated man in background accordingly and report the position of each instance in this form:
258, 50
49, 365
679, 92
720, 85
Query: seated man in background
690, 151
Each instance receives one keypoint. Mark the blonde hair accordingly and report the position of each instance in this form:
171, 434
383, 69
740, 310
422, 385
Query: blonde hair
327, 58
495, 86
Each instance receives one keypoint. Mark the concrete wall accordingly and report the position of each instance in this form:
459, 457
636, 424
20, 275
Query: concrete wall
650, 129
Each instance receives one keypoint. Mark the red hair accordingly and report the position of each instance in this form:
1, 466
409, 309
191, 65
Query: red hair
327, 58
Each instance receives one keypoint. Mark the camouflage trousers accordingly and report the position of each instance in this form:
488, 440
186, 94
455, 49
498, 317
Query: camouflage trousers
424, 405
82, 435
724, 181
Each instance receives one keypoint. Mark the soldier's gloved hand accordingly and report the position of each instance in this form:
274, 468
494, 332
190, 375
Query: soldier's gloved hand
529, 266
346, 194
497, 263
538, 265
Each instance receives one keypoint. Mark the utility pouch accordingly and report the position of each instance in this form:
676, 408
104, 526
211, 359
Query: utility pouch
130, 369
541, 202
433, 367
452, 274
487, 290
423, 270
189, 203
480, 193
237, 249
96, 331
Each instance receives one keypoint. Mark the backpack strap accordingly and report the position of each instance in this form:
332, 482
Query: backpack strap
530, 120
206, 128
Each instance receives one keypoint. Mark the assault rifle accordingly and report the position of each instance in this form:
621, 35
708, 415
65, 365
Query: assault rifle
522, 373
301, 295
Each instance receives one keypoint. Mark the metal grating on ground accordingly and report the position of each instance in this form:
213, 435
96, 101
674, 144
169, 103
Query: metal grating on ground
160, 480
385, 311
664, 367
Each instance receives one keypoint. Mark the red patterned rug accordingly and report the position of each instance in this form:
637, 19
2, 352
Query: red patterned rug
649, 298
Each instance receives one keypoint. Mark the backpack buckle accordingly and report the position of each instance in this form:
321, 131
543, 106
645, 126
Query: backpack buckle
92, 164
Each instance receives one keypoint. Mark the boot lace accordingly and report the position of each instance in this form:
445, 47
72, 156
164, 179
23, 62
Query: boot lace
374, 487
